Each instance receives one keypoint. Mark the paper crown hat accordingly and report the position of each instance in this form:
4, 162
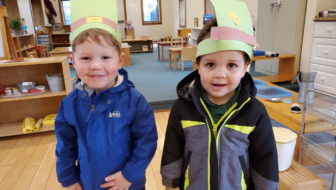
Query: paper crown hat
86, 14
234, 30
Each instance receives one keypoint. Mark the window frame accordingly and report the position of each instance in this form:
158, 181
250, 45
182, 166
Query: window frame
60, 5
151, 22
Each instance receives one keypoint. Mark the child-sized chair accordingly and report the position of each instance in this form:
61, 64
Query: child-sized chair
188, 53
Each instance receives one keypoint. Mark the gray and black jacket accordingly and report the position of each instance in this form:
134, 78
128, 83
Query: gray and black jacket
242, 155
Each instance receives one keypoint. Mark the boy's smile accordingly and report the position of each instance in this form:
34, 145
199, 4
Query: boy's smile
221, 73
97, 64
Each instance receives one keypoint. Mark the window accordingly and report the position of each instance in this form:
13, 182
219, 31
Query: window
65, 5
151, 12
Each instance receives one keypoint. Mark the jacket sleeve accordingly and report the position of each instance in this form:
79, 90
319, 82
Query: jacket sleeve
173, 152
66, 150
144, 137
263, 155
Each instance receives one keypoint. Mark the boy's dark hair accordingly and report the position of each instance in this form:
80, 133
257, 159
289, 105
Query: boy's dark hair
96, 35
205, 34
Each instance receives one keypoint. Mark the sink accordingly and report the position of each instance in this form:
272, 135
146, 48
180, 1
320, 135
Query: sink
272, 92
259, 83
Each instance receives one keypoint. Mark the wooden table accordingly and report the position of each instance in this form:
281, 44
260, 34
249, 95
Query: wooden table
66, 51
281, 113
285, 71
297, 177
61, 51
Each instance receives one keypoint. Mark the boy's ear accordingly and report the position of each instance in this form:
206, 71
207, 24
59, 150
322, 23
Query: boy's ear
72, 60
247, 66
121, 60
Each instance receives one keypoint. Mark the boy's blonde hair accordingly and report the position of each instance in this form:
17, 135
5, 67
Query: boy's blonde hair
96, 35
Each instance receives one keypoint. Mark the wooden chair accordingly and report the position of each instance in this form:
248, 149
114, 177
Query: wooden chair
177, 42
188, 53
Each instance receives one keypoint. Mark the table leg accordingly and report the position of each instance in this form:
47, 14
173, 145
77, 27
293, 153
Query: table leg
159, 52
174, 62
170, 57
162, 53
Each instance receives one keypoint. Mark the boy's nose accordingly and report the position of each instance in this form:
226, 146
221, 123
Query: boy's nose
221, 72
96, 63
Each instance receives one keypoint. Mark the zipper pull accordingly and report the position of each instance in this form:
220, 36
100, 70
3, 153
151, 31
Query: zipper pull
92, 108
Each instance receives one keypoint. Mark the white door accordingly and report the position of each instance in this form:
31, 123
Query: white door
279, 29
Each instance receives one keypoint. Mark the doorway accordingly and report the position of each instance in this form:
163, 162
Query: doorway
280, 29
37, 12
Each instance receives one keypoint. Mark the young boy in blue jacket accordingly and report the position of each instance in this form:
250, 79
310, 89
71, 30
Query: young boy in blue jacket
105, 129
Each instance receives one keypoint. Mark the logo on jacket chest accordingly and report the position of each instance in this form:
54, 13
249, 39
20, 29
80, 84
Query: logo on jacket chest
114, 114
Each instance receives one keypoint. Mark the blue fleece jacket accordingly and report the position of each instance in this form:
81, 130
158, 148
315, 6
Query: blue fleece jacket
99, 135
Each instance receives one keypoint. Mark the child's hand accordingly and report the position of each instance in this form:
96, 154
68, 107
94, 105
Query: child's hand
171, 188
117, 181
75, 186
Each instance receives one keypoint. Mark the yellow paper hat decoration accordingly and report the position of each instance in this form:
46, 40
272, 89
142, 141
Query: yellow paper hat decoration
87, 14
234, 30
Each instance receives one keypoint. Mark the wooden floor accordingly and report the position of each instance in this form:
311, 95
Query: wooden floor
28, 162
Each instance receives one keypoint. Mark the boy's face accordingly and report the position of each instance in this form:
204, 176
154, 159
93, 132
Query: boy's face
221, 73
97, 65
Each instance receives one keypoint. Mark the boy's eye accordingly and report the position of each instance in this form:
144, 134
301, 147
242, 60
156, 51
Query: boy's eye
232, 65
210, 64
84, 58
105, 57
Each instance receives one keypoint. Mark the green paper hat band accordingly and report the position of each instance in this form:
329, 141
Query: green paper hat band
88, 14
94, 19
234, 30
209, 45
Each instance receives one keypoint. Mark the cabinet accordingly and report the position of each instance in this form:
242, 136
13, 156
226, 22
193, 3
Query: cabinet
23, 44
323, 57
183, 32
194, 35
14, 110
60, 40
318, 148
140, 45
43, 39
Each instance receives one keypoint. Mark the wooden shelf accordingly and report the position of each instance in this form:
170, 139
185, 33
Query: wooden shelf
44, 95
14, 110
11, 129
136, 45
58, 40
142, 51
23, 43
285, 71
30, 47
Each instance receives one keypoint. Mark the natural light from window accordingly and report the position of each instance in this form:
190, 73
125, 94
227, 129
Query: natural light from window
66, 12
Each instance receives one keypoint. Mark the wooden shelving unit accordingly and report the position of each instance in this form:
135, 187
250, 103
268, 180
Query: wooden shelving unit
60, 40
285, 71
14, 110
24, 43
136, 45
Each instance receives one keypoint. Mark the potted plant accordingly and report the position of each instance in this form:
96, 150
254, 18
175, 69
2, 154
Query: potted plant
16, 26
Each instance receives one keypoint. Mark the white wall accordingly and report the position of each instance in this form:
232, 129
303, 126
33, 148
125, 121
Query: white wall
154, 31
195, 9
253, 7
25, 12
313, 7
